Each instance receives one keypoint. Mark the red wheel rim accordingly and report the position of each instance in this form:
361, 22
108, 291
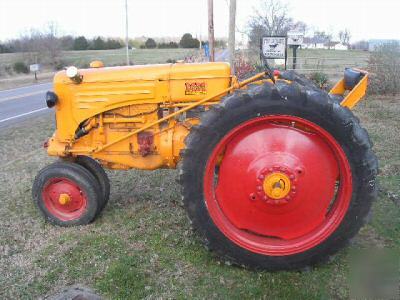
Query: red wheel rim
305, 212
64, 199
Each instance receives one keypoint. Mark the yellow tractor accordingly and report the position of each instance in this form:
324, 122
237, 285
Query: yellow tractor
275, 172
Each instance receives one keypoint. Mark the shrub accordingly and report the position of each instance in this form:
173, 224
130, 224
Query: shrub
59, 64
20, 67
170, 45
8, 69
98, 44
384, 66
150, 44
243, 68
321, 79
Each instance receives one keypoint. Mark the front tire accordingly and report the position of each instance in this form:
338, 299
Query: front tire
98, 172
66, 194
279, 177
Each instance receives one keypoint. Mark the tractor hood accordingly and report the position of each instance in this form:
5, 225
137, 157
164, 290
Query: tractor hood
97, 90
148, 72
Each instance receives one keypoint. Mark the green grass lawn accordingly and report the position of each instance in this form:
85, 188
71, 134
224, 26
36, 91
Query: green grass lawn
109, 57
142, 244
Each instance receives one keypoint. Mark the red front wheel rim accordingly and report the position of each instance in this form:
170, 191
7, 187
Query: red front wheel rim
277, 185
64, 199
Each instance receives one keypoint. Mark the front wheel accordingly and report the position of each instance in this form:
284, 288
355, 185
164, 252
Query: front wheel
66, 194
278, 178
98, 172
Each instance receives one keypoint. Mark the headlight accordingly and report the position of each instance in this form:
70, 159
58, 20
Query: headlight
73, 74
51, 99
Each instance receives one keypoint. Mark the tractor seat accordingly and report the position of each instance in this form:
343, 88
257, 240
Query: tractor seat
352, 78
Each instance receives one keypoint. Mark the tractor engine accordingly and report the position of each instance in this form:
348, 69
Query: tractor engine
96, 108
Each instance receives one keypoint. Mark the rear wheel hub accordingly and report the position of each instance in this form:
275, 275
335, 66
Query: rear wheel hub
275, 187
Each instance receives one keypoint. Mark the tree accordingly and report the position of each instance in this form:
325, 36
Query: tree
220, 44
51, 44
80, 43
187, 41
344, 37
150, 43
113, 44
67, 42
98, 44
40, 46
269, 19
6, 48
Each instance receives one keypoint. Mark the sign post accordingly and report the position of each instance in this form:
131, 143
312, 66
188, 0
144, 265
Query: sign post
273, 47
34, 68
295, 39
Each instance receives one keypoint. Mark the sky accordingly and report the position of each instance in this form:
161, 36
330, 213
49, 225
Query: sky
366, 19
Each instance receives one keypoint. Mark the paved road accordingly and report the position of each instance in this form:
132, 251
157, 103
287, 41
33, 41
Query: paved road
22, 103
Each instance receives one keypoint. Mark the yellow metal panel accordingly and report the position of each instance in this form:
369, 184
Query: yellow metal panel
356, 94
339, 88
209, 78
104, 89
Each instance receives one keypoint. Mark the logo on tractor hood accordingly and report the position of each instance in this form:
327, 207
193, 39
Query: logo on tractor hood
195, 88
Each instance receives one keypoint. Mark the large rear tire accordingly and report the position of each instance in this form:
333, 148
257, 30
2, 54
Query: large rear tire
278, 177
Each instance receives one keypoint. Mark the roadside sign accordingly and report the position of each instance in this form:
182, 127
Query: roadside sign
295, 38
34, 68
273, 47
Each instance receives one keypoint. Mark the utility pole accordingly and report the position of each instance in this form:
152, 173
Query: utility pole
126, 32
211, 29
231, 40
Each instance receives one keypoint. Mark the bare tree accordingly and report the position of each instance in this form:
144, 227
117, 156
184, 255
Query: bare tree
40, 46
344, 37
270, 19
51, 43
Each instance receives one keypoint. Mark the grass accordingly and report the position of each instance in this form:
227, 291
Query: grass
142, 245
331, 62
109, 57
